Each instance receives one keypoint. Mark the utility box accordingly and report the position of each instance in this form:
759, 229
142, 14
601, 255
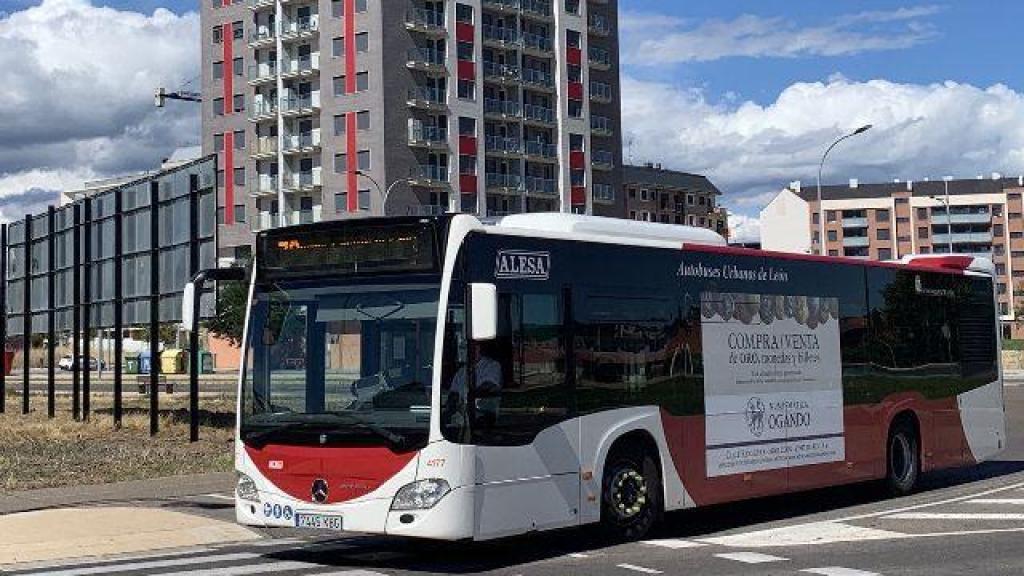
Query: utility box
131, 364
145, 363
172, 361
206, 362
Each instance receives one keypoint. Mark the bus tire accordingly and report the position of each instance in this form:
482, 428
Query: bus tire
903, 459
631, 496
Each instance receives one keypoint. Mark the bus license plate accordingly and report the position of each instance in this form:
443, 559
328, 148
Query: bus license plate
318, 521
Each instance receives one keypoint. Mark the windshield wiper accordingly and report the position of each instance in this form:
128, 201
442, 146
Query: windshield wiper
396, 439
260, 438
327, 426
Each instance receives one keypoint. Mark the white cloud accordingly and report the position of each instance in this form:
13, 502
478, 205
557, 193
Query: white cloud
654, 40
751, 151
744, 229
77, 82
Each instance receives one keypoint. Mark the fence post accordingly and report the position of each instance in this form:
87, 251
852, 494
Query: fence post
118, 306
3, 318
87, 307
154, 308
193, 337
76, 310
51, 314
26, 317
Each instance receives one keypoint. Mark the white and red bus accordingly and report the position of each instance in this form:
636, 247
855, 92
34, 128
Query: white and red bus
453, 379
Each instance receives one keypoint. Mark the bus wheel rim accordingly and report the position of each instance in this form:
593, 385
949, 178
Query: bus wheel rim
628, 493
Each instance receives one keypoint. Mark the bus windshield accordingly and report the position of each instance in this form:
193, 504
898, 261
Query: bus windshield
339, 363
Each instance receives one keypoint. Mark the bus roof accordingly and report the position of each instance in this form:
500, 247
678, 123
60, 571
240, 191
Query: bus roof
612, 228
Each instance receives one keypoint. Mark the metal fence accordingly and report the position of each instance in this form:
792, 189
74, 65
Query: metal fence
117, 259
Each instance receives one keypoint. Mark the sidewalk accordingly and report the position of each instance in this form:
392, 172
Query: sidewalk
73, 522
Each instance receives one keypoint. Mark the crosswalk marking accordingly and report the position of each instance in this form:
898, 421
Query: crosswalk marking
838, 571
751, 557
244, 570
152, 564
640, 569
220, 497
1008, 501
953, 516
672, 543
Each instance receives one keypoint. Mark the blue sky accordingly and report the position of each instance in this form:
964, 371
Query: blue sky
748, 92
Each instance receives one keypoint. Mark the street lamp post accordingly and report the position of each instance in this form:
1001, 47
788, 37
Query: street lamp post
821, 165
383, 193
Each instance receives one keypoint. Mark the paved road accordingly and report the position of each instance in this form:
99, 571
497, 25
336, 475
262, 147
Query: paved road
962, 522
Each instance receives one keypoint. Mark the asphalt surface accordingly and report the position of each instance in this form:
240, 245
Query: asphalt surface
968, 521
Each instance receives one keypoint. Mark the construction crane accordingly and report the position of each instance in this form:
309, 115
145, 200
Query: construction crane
162, 96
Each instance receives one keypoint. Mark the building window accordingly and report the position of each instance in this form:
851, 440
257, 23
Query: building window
882, 234
218, 106
238, 65
881, 215
901, 200
572, 6
1001, 269
337, 9
833, 252
575, 108
239, 102
922, 213
239, 176
362, 42
240, 140
340, 202
364, 199
464, 51
832, 235
360, 5
830, 215
340, 163
467, 126
363, 120
218, 34
363, 159
816, 236
467, 165
467, 89
925, 250
464, 13
884, 254
997, 209
339, 85
362, 81
997, 230
238, 30
338, 47
999, 249
339, 125
816, 218
220, 215
218, 142
240, 213
218, 70
922, 232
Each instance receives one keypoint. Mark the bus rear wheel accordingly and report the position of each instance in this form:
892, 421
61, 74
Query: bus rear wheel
630, 495
903, 459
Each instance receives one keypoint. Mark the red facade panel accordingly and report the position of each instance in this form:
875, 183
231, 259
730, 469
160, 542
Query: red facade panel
467, 70
464, 32
577, 160
467, 145
575, 91
579, 195
467, 183
574, 55
229, 178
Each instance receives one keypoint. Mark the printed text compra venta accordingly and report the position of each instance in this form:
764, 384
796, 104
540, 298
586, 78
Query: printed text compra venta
773, 342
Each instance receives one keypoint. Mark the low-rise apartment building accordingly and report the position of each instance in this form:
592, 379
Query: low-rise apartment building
982, 217
655, 194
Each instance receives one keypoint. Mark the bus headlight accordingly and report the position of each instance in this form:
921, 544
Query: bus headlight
420, 495
246, 489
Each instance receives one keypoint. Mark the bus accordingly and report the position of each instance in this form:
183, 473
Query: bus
455, 378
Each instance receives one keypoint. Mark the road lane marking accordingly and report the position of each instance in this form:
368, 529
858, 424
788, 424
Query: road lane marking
813, 533
1015, 486
278, 542
673, 543
1009, 501
220, 497
751, 557
951, 516
153, 564
839, 571
352, 573
640, 569
244, 570
579, 555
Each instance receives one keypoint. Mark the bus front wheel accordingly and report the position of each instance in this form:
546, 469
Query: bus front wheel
631, 494
904, 459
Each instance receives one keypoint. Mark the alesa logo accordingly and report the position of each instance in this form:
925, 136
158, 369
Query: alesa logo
521, 264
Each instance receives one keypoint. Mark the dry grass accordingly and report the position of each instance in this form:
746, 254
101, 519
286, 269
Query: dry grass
38, 452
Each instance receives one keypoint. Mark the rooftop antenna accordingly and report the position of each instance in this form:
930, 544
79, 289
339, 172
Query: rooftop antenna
630, 140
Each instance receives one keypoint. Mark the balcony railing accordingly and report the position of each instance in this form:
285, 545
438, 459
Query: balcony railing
503, 71
856, 241
855, 222
500, 34
299, 103
502, 4
601, 125
427, 210
540, 8
542, 149
537, 42
264, 146
426, 134
262, 71
426, 56
495, 180
538, 77
302, 140
264, 107
301, 65
600, 91
962, 218
963, 238
502, 107
598, 24
429, 173
428, 94
539, 114
300, 26
544, 186
599, 57
261, 184
261, 34
423, 19
604, 193
603, 158
503, 145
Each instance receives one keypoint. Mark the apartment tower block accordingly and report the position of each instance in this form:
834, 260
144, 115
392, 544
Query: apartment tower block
322, 109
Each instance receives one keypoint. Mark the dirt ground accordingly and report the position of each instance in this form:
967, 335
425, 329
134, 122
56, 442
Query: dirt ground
39, 452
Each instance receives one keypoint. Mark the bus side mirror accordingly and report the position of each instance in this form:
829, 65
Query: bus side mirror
188, 303
484, 312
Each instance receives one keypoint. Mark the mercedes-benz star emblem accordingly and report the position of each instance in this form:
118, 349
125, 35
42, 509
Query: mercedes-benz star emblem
319, 491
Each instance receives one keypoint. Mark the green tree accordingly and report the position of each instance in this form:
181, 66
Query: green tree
232, 299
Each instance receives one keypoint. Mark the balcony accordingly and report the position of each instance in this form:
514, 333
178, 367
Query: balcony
303, 142
262, 73
542, 150
537, 78
538, 9
855, 222
259, 4
604, 193
502, 108
303, 181
430, 22
599, 58
428, 97
599, 25
538, 115
427, 210
962, 218
264, 220
426, 136
426, 60
262, 109
503, 73
541, 186
963, 238
600, 93
429, 176
264, 148
504, 182
856, 241
510, 6
537, 44
300, 28
300, 105
263, 185
304, 66
602, 160
503, 146
499, 35
601, 126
